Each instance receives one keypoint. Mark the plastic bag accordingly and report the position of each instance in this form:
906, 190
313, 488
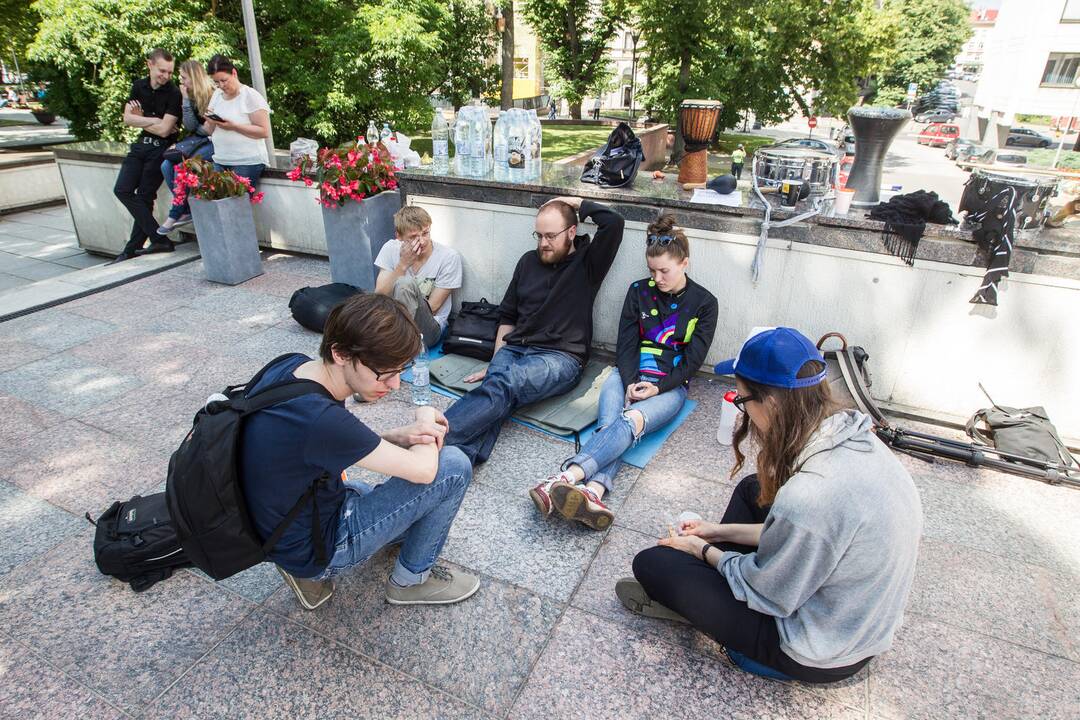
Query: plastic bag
300, 147
400, 153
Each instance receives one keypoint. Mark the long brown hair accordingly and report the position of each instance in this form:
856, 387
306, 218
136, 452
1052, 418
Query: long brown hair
794, 416
201, 85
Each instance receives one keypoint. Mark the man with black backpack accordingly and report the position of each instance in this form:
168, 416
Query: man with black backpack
545, 322
309, 440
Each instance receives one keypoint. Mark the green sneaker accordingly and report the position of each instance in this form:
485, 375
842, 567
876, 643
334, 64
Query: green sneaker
442, 587
310, 593
636, 600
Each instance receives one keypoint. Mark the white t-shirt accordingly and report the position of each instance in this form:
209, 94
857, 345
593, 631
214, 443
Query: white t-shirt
442, 270
231, 147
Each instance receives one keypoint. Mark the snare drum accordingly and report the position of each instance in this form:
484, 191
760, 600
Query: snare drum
697, 122
773, 164
1033, 193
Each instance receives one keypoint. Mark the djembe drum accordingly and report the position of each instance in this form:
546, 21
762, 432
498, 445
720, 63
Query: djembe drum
874, 129
697, 123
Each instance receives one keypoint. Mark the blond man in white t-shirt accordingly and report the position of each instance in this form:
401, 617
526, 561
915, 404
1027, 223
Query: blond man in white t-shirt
419, 273
238, 119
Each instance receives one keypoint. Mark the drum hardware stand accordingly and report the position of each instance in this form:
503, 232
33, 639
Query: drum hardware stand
928, 447
817, 205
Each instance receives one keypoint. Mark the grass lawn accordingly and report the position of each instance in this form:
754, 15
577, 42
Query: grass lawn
1042, 158
728, 142
559, 141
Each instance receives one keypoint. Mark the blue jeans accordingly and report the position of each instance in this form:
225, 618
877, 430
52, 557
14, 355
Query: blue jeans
599, 457
417, 515
168, 170
251, 172
517, 376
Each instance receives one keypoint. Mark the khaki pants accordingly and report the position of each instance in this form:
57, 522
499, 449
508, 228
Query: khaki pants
407, 292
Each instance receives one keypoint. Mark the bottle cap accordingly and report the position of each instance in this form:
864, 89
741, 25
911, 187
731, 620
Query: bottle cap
730, 395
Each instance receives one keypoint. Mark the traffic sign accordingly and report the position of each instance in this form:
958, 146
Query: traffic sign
812, 122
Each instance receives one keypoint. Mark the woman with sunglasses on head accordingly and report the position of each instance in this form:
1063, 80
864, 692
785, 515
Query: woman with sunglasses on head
667, 325
807, 574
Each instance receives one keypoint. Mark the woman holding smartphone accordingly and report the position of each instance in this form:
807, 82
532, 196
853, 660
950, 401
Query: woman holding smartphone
239, 121
196, 89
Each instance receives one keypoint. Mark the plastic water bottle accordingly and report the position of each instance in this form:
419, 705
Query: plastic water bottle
535, 133
461, 128
728, 412
421, 383
440, 144
498, 147
372, 133
478, 135
518, 146
385, 134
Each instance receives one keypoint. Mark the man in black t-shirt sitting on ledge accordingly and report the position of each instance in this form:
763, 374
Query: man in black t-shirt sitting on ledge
154, 106
545, 322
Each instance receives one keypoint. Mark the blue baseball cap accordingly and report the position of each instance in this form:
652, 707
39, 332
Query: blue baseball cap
774, 357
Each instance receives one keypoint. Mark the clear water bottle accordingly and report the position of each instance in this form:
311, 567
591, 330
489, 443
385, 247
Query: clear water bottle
478, 133
385, 133
372, 133
535, 133
728, 413
440, 144
421, 383
499, 149
518, 145
461, 130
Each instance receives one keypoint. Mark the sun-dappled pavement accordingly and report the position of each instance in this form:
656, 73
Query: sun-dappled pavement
96, 393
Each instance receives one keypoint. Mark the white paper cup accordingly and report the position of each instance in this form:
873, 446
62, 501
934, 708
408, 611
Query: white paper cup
843, 201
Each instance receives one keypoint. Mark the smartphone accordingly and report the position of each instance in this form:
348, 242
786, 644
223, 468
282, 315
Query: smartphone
214, 116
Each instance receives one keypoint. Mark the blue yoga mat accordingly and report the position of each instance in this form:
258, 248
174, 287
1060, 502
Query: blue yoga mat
638, 456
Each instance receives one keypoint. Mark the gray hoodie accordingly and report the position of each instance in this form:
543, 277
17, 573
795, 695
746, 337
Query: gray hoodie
837, 553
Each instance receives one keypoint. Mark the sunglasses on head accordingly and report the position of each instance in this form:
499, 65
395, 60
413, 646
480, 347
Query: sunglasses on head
661, 240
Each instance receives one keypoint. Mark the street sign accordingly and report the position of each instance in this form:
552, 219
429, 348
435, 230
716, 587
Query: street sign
812, 122
912, 90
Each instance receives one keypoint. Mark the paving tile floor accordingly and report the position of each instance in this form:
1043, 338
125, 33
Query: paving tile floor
38, 245
95, 393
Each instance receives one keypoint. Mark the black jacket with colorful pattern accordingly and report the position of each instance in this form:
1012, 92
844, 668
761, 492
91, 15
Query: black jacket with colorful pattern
664, 338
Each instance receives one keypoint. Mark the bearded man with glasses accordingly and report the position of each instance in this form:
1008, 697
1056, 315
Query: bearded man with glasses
545, 322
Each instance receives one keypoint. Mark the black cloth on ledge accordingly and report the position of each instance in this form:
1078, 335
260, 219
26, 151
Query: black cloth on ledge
905, 217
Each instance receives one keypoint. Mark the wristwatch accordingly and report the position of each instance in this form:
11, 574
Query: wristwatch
705, 551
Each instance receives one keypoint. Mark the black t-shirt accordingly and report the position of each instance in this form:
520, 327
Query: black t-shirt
166, 100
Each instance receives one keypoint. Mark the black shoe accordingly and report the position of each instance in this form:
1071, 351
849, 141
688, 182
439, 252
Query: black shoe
125, 255
158, 247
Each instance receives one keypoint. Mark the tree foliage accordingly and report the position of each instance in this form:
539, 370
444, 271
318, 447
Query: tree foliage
19, 25
90, 51
574, 35
329, 65
931, 34
770, 57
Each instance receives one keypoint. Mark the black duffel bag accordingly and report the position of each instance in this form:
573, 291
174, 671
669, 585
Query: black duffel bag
472, 330
137, 543
618, 161
311, 305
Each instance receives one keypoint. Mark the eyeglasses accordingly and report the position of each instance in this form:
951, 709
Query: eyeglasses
661, 240
549, 236
739, 401
384, 375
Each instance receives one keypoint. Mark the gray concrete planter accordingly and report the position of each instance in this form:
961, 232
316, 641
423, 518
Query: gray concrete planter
355, 233
227, 241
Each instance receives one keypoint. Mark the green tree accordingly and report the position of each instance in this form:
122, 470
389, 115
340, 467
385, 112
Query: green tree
20, 24
767, 57
470, 45
574, 35
90, 51
931, 33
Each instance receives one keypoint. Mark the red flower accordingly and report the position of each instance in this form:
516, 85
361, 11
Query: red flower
308, 182
256, 198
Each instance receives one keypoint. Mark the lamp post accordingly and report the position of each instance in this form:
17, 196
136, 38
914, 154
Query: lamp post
251, 32
1068, 124
634, 35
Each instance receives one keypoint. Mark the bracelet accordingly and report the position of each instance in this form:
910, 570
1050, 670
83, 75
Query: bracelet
705, 552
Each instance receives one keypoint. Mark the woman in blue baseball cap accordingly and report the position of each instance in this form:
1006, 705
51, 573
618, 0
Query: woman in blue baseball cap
807, 574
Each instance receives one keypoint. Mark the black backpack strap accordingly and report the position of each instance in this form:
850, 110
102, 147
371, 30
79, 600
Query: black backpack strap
316, 524
280, 393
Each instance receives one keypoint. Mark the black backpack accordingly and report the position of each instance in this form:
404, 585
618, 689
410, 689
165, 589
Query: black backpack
472, 331
310, 306
618, 161
204, 492
136, 542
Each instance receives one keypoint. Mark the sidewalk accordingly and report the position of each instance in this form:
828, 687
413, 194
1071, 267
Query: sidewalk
38, 245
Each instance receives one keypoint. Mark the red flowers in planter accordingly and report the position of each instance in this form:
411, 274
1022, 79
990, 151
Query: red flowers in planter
351, 172
198, 178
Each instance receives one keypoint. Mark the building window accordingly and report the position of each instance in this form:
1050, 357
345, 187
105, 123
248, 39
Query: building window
521, 68
1061, 69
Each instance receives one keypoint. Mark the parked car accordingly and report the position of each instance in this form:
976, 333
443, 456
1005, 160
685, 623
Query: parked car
990, 156
953, 147
1030, 138
968, 154
938, 134
813, 143
936, 116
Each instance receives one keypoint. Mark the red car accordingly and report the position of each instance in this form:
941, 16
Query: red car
938, 134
